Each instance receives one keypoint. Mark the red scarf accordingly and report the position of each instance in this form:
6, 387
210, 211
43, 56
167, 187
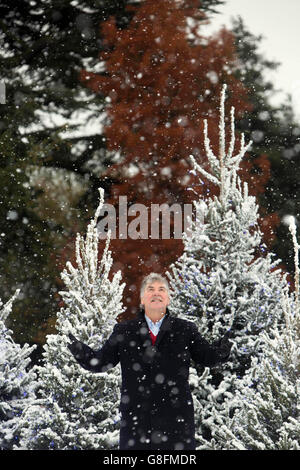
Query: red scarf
153, 337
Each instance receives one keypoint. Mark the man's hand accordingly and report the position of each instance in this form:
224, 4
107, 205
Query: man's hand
75, 347
225, 345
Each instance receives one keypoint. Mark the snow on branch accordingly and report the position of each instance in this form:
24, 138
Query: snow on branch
225, 165
6, 309
89, 268
293, 230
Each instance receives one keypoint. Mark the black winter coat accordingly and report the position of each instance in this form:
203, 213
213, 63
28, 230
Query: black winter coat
156, 402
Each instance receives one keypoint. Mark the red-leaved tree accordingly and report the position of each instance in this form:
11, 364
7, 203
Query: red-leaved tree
162, 78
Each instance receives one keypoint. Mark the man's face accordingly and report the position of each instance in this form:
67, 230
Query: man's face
155, 297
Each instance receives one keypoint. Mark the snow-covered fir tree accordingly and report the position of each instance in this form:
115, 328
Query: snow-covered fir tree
226, 280
266, 407
17, 380
77, 409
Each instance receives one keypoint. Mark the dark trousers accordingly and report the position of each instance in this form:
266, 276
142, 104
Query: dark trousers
136, 434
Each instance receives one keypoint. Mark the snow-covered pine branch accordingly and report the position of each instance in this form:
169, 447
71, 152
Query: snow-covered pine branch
296, 325
264, 413
224, 166
17, 383
6, 308
292, 229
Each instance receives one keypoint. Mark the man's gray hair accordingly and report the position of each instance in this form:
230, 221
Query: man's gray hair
154, 277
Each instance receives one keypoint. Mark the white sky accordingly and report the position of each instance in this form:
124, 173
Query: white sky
279, 24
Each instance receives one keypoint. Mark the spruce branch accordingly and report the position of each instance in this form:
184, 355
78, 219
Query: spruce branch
225, 166
6, 309
232, 135
293, 230
222, 133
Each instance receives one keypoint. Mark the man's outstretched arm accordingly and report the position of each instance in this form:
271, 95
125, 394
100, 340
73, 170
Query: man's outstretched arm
208, 354
96, 361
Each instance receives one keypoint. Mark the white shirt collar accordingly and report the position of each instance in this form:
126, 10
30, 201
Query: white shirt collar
154, 326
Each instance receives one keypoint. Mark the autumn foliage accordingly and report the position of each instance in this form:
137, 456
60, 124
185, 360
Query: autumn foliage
162, 78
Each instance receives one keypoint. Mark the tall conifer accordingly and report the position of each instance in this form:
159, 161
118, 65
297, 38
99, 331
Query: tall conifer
225, 280
77, 409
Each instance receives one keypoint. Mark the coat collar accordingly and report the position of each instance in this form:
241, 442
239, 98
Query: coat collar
144, 330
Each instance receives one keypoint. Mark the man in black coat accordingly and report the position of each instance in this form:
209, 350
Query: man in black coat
155, 350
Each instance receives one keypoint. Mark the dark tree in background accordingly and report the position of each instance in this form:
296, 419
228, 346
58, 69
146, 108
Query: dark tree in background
43, 47
276, 133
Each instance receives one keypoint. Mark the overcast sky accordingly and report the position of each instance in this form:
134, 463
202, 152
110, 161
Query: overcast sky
278, 22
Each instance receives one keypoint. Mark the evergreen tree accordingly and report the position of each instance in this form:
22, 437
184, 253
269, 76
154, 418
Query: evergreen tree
17, 384
225, 280
266, 407
77, 409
